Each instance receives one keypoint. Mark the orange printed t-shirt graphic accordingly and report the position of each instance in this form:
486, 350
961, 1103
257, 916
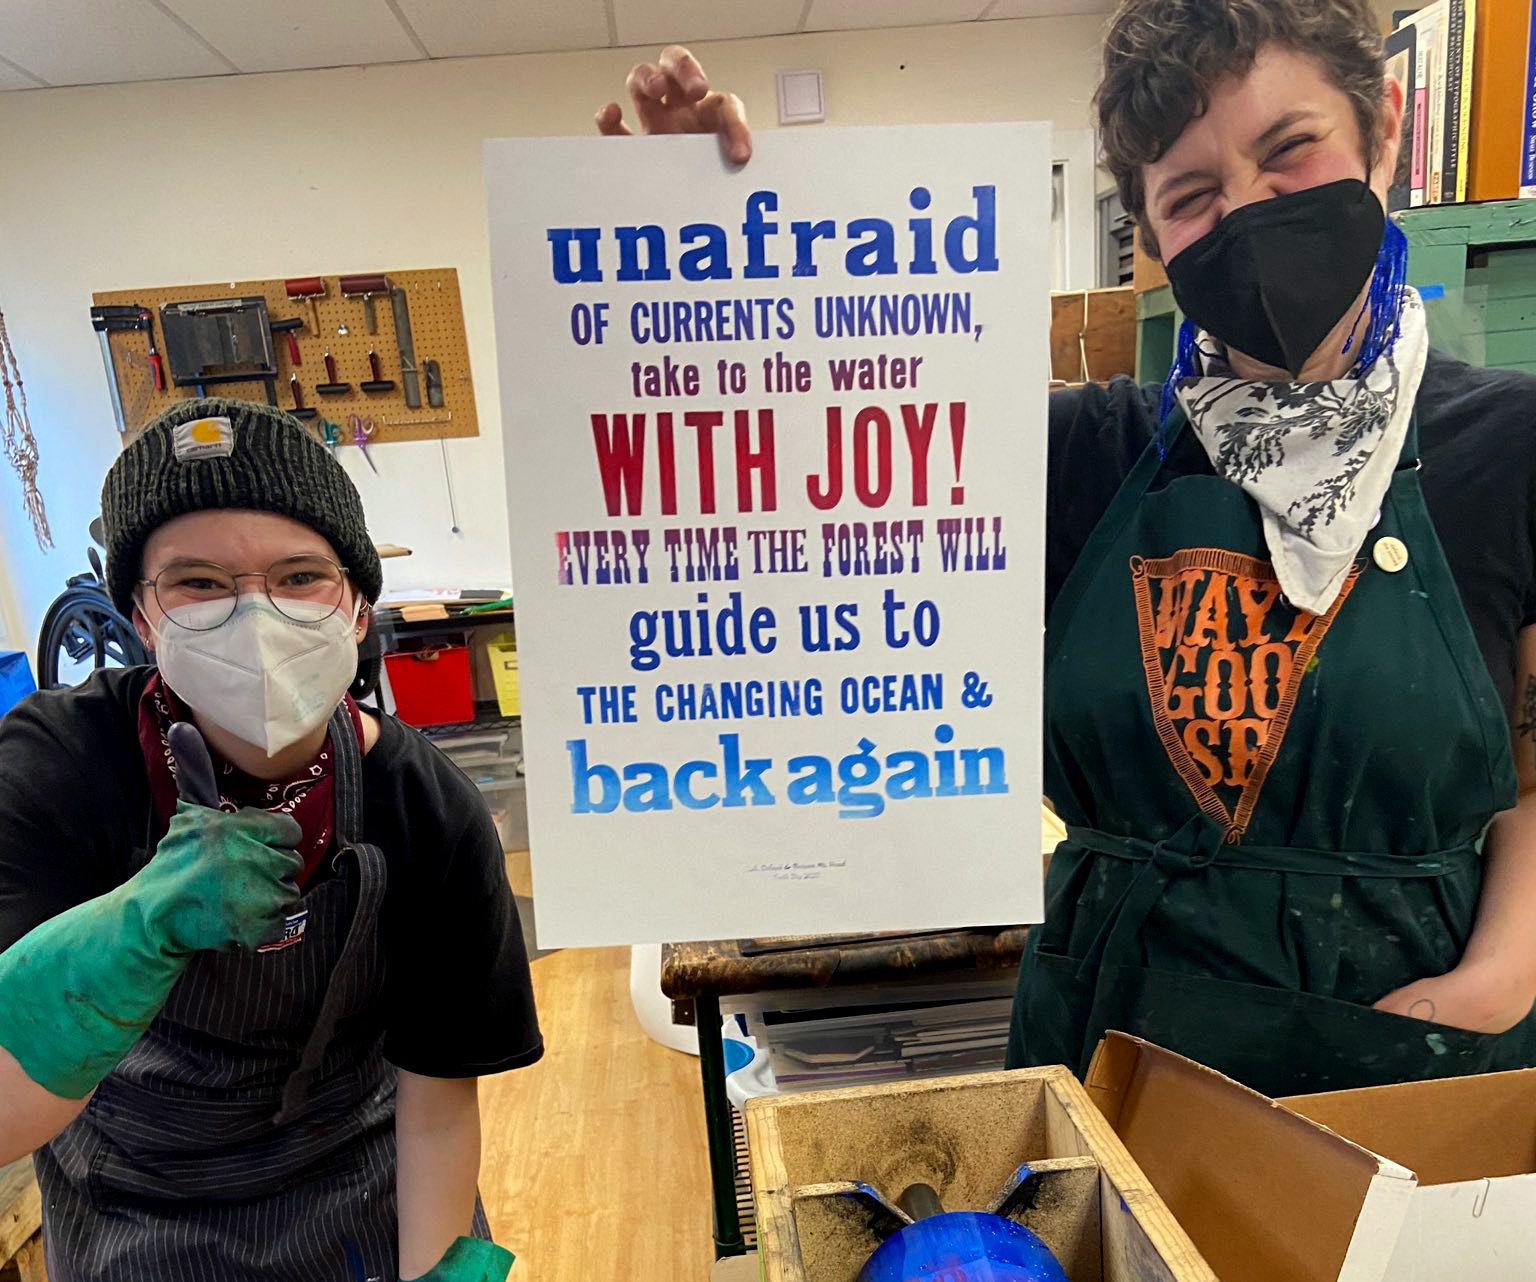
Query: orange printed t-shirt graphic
1225, 655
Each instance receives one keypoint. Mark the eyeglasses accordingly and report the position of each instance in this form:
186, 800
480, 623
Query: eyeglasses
307, 589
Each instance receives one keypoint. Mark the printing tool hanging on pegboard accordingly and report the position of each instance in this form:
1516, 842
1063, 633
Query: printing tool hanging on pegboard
322, 347
220, 340
116, 319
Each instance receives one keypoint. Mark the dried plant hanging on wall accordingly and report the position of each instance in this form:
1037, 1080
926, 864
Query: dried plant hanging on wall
20, 444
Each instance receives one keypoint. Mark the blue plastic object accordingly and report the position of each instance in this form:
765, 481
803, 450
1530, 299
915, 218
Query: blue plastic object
963, 1246
16, 681
737, 1054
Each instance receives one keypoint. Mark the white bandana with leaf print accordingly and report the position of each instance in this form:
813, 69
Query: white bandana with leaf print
1316, 457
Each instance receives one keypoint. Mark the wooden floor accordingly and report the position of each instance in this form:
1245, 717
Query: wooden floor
593, 1160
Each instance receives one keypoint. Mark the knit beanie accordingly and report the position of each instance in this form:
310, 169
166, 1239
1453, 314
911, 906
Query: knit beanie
212, 453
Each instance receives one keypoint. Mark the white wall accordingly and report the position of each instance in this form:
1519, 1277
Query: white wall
373, 169
9, 609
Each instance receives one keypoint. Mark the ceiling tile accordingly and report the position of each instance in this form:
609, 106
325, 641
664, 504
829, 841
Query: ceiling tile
454, 28
16, 78
279, 35
658, 22
1046, 8
85, 42
846, 15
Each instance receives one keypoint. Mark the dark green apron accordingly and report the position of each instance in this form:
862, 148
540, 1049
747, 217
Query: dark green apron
1273, 818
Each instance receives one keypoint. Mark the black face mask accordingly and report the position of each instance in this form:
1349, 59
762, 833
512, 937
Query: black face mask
1273, 278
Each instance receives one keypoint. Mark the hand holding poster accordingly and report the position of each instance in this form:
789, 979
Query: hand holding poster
775, 462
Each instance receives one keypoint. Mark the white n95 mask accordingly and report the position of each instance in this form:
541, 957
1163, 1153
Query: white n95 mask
266, 678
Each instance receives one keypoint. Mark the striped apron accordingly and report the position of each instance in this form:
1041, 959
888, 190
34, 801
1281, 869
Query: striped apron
249, 1134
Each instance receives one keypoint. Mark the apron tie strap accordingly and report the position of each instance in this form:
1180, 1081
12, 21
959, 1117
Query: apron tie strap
372, 879
1199, 844
1185, 851
1194, 846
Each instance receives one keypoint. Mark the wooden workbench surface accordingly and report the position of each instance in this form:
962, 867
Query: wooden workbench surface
721, 968
724, 967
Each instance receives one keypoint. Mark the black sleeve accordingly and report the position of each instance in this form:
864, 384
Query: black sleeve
1528, 614
458, 994
1477, 441
1097, 432
52, 853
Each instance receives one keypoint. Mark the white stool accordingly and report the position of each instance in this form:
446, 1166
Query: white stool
653, 1008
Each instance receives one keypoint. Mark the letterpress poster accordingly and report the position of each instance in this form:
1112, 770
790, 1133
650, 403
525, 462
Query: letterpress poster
775, 451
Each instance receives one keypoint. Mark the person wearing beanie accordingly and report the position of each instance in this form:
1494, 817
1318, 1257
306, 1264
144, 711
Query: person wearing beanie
256, 944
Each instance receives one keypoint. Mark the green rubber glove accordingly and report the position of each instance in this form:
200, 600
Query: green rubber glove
80, 989
470, 1260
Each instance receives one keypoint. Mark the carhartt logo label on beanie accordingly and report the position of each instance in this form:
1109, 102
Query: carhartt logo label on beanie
204, 438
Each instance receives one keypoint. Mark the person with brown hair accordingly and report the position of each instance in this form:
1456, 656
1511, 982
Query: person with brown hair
1290, 664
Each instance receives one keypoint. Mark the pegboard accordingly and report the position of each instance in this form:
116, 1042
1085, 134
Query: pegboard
437, 331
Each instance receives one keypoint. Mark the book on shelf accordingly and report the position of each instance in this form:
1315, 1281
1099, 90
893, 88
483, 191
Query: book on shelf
1401, 50
1501, 98
1528, 114
1454, 42
1432, 23
1468, 77
1429, 88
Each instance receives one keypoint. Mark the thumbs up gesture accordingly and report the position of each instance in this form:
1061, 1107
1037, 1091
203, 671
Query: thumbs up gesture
219, 879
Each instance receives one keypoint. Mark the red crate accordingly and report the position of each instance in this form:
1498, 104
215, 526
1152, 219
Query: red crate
431, 687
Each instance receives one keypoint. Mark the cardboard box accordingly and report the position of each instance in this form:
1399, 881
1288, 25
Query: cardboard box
965, 1136
1146, 272
1471, 1141
1093, 334
1407, 1183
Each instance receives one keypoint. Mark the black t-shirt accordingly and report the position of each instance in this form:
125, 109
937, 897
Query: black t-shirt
458, 1002
1477, 440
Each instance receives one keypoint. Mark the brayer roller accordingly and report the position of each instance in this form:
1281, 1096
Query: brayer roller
308, 288
365, 287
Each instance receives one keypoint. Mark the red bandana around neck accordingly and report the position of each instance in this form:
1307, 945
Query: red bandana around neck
309, 796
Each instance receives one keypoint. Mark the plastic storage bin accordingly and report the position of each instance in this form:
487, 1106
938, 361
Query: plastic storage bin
501, 653
431, 687
818, 1038
509, 808
506, 796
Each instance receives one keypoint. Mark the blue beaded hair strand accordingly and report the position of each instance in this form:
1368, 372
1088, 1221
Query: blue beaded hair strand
1183, 367
1385, 300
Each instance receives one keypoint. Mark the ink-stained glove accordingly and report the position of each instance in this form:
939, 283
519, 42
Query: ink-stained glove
80, 989
470, 1260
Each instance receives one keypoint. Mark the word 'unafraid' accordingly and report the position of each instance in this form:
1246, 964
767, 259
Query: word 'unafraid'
703, 251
